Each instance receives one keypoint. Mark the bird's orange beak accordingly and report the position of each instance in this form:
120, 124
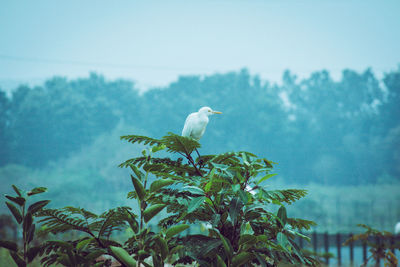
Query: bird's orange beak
216, 112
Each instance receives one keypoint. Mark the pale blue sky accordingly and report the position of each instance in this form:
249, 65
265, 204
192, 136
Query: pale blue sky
152, 42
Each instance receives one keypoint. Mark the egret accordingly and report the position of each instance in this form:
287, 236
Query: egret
196, 123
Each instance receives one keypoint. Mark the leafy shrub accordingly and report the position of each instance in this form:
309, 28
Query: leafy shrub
224, 192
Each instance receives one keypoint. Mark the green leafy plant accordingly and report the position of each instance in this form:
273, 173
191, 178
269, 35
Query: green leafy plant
246, 222
381, 244
225, 192
25, 218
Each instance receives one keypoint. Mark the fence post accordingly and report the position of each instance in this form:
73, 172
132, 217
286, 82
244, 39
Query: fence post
315, 241
326, 245
364, 246
351, 251
338, 245
378, 243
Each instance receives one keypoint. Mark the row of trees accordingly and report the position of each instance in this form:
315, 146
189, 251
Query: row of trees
318, 129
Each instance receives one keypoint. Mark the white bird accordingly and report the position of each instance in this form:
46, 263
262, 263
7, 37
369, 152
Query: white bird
196, 123
397, 228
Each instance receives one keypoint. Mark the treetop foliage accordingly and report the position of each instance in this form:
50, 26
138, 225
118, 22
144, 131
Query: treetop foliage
291, 121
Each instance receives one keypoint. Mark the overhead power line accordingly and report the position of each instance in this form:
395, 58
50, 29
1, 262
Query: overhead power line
92, 63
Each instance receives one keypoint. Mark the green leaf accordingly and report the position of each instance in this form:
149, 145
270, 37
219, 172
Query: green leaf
157, 184
32, 253
194, 190
227, 245
195, 203
155, 149
282, 239
176, 229
282, 215
37, 206
17, 259
246, 229
243, 196
234, 209
28, 220
137, 172
261, 260
17, 190
31, 233
15, 212
84, 243
141, 193
94, 255
247, 239
18, 200
123, 256
241, 258
141, 139
37, 190
9, 245
152, 211
163, 246
266, 177
177, 249
176, 143
220, 262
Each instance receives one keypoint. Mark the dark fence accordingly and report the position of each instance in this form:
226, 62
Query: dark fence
352, 254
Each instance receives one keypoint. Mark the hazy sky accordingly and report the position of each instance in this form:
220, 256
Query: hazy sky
152, 42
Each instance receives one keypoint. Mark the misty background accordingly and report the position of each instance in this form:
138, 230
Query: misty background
313, 86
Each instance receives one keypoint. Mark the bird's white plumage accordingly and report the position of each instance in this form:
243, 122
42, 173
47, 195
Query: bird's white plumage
196, 123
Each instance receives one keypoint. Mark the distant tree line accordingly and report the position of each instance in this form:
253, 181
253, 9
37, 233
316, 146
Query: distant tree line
317, 129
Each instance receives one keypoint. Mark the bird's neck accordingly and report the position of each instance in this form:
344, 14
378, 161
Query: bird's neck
203, 117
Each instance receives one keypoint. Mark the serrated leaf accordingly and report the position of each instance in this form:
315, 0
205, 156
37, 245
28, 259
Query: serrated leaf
37, 190
15, 212
123, 256
18, 200
152, 211
195, 203
9, 245
266, 177
176, 229
37, 206
157, 184
141, 193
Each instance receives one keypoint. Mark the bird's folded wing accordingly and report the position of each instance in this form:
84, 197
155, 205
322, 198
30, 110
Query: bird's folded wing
187, 128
